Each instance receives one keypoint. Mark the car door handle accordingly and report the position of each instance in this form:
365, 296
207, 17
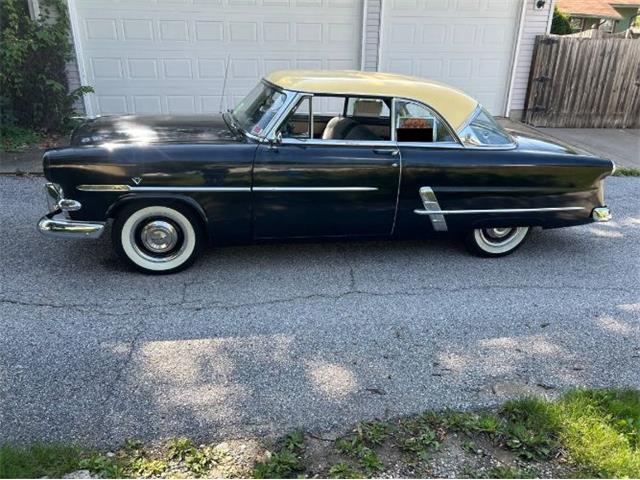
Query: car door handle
386, 151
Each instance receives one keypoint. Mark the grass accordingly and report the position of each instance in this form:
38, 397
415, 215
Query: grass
592, 433
627, 172
601, 431
285, 462
37, 460
52, 460
344, 470
17, 139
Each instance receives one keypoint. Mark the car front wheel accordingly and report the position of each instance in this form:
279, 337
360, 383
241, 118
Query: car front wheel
157, 238
495, 242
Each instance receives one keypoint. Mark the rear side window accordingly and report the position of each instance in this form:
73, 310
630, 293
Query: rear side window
417, 123
484, 131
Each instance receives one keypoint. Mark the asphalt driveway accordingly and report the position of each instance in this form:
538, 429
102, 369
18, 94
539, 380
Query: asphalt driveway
256, 340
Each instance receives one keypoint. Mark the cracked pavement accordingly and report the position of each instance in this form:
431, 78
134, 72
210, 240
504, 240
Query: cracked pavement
256, 340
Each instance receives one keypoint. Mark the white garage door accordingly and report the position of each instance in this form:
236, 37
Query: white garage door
466, 43
169, 56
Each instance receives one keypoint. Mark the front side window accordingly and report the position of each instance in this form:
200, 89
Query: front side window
484, 131
324, 117
417, 123
298, 123
258, 108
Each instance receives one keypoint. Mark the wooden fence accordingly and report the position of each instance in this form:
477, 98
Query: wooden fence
584, 83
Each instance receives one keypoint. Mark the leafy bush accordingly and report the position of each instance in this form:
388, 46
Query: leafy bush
16, 139
34, 91
560, 24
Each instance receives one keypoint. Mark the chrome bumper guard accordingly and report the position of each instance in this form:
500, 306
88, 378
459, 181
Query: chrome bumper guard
601, 214
57, 224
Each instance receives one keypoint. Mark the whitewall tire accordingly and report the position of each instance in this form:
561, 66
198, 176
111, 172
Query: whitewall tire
157, 238
495, 242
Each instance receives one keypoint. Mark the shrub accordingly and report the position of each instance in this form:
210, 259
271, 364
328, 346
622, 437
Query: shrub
34, 91
560, 24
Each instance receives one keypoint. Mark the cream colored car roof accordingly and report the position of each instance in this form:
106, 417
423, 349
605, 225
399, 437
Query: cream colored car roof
454, 105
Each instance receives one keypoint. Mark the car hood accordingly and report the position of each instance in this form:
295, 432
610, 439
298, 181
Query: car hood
538, 142
154, 129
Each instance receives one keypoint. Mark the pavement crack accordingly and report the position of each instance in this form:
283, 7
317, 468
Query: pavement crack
194, 305
119, 374
405, 293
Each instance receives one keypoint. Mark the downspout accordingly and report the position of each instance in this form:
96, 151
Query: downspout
34, 9
516, 54
77, 45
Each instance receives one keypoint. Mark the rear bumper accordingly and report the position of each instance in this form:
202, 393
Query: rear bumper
57, 225
601, 214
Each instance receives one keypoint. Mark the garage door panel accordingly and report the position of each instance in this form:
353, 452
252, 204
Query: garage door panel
468, 44
144, 56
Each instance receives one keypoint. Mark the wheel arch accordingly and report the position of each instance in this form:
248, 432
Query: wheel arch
160, 199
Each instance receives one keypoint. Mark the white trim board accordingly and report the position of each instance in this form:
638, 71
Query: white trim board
77, 45
516, 55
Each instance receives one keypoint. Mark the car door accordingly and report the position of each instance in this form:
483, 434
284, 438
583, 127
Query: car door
305, 186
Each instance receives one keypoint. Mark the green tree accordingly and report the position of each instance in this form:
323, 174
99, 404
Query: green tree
561, 24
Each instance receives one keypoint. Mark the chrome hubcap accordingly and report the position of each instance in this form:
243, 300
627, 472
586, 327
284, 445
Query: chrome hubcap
159, 236
498, 232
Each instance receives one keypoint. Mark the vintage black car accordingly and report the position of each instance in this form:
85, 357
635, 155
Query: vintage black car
324, 155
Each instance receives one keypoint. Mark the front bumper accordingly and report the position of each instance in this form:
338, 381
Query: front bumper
56, 223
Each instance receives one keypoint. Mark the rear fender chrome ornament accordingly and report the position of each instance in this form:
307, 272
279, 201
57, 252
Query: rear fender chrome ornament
432, 206
136, 180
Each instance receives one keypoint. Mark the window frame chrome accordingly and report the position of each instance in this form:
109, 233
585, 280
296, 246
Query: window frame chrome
289, 96
298, 96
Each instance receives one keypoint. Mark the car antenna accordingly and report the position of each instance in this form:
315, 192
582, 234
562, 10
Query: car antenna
224, 82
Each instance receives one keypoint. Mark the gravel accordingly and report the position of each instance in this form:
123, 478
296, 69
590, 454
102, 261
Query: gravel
257, 340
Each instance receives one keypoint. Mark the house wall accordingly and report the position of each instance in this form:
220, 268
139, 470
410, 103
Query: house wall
628, 15
536, 22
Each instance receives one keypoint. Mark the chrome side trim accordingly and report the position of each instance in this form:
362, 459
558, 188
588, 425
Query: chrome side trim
190, 189
129, 188
103, 188
432, 206
58, 226
426, 211
315, 189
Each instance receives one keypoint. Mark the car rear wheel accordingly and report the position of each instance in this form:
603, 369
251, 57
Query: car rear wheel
495, 242
157, 238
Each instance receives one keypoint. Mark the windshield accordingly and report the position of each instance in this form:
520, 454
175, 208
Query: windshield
484, 131
256, 110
